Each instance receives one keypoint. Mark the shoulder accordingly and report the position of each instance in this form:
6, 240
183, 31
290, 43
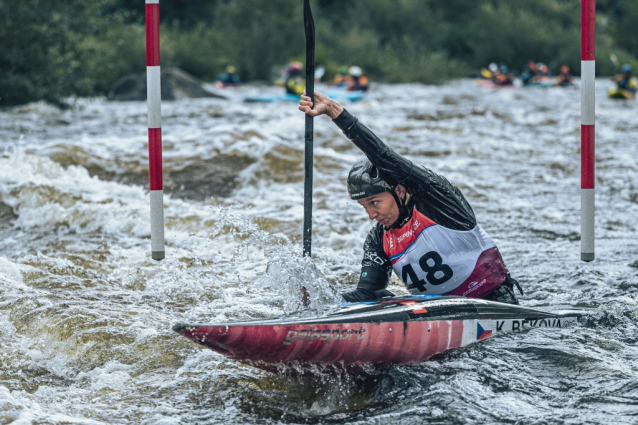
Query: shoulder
374, 240
376, 231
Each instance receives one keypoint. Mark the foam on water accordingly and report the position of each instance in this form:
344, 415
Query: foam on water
86, 315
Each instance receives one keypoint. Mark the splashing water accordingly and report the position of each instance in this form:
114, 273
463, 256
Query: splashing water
86, 315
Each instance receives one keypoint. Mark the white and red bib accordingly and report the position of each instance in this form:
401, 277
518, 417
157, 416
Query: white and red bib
431, 259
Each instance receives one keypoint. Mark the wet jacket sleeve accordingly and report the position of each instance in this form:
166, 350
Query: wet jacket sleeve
375, 268
435, 196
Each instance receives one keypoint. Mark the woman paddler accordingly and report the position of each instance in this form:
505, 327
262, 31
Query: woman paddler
426, 231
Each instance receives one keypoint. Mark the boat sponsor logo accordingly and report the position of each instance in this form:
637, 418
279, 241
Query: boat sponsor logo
473, 286
325, 335
414, 306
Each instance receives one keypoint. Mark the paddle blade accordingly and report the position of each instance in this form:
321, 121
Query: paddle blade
309, 24
613, 58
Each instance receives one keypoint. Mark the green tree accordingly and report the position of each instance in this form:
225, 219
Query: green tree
517, 31
50, 49
623, 28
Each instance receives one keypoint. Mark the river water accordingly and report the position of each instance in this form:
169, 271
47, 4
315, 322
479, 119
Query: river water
86, 315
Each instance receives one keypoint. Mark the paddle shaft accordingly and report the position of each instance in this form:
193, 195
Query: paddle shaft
308, 162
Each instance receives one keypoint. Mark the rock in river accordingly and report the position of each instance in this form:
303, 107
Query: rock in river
176, 84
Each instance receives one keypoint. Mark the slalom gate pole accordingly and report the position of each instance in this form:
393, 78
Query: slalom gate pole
154, 98
587, 129
309, 25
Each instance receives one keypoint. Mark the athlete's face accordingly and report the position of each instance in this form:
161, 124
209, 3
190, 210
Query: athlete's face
383, 207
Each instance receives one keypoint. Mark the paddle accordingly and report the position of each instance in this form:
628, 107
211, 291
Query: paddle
486, 73
309, 25
614, 59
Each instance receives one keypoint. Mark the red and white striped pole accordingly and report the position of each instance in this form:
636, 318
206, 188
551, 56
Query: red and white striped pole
154, 98
587, 129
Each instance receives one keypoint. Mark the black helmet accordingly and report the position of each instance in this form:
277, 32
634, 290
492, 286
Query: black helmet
364, 180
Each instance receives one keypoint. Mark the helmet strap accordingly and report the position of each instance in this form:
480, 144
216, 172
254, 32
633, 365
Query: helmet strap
403, 211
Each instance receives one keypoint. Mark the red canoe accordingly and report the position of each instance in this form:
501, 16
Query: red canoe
397, 330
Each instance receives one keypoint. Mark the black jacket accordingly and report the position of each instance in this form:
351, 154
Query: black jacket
432, 194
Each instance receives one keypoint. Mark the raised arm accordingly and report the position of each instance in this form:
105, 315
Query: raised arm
393, 167
438, 198
441, 200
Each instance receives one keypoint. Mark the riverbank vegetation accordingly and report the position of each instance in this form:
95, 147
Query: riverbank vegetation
50, 49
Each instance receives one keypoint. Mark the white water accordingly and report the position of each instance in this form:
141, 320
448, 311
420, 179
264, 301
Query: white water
86, 315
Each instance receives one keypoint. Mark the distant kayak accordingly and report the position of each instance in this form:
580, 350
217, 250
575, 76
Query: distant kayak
491, 84
336, 95
343, 85
618, 93
396, 330
539, 85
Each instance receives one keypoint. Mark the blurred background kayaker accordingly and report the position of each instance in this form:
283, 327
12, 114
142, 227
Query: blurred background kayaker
496, 76
341, 79
529, 72
295, 82
503, 76
357, 81
542, 73
624, 80
565, 77
230, 78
